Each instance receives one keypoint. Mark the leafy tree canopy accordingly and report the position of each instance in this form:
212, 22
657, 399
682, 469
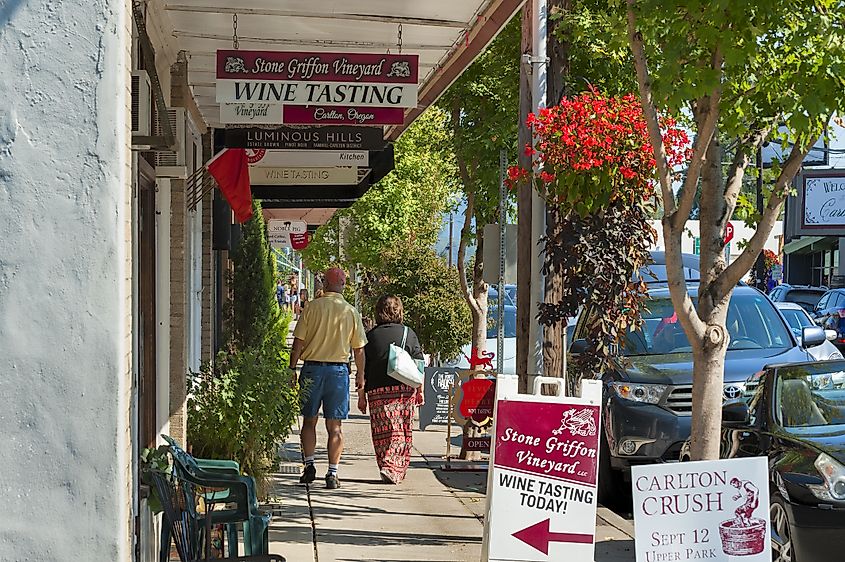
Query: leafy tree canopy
482, 109
430, 294
408, 203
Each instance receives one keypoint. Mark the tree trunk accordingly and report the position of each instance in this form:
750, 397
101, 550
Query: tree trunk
479, 329
707, 393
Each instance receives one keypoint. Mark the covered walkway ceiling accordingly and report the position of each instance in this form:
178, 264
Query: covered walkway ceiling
446, 34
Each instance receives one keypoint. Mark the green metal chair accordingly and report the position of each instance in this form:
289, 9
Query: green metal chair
188, 522
234, 492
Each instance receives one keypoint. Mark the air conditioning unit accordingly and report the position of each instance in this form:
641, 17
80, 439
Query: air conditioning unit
171, 163
142, 97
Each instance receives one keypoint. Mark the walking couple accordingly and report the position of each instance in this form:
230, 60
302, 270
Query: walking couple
324, 335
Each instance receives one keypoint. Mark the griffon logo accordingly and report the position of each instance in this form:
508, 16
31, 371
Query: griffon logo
400, 68
577, 422
235, 64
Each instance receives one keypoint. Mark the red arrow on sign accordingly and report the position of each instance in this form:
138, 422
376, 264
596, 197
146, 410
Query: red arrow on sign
538, 536
729, 232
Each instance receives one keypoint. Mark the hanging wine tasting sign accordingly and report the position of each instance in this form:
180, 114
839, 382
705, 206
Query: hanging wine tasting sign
327, 79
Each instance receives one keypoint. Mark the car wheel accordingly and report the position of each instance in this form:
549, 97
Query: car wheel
781, 533
610, 481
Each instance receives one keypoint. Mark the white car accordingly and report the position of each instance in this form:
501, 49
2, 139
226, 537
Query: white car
797, 319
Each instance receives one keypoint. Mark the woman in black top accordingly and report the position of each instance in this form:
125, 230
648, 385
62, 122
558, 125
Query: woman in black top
391, 402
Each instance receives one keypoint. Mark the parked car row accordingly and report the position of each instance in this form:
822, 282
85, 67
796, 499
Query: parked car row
784, 392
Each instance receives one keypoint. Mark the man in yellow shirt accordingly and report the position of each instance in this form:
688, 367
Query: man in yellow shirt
326, 331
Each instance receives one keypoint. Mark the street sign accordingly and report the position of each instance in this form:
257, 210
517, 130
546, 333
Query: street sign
541, 490
729, 232
306, 158
303, 176
708, 510
306, 138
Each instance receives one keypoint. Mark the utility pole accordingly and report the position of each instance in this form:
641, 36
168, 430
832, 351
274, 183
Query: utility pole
524, 242
554, 345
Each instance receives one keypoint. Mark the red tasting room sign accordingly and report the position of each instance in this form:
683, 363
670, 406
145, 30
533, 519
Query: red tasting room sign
299, 240
542, 488
476, 399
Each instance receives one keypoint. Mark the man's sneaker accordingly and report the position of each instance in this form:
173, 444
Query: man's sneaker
308, 475
332, 483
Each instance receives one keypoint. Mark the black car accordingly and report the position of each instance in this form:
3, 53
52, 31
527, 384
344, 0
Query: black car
829, 313
795, 415
803, 295
648, 393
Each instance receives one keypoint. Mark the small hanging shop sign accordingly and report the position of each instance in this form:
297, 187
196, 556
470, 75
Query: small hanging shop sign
306, 138
303, 176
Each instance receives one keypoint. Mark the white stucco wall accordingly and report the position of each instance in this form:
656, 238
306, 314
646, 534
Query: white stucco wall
65, 297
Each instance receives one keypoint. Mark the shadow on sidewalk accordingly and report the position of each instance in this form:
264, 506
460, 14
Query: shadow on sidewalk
388, 538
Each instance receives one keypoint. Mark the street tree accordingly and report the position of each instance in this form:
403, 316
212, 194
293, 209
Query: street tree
408, 203
742, 71
483, 109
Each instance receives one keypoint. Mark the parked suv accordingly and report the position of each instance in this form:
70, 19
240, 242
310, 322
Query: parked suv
805, 296
648, 392
829, 313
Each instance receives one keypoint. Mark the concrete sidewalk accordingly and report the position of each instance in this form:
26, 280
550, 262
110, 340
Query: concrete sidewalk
434, 515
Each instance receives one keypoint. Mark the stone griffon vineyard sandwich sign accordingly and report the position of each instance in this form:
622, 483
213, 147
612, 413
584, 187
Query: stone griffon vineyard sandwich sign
275, 87
707, 510
541, 490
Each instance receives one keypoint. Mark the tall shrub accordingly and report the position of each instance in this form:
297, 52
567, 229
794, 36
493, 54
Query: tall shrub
242, 405
254, 303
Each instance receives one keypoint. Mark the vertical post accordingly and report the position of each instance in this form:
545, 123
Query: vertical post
554, 336
451, 237
538, 215
503, 220
525, 246
449, 427
760, 265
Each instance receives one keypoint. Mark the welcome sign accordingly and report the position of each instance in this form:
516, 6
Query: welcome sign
824, 202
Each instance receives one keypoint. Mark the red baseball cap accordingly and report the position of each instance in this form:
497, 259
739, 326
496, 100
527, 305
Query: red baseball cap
334, 276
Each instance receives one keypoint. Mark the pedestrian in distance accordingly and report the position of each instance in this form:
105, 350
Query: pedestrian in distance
293, 299
281, 295
303, 299
326, 332
392, 403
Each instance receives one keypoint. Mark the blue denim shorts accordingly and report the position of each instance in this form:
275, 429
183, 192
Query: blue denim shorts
326, 385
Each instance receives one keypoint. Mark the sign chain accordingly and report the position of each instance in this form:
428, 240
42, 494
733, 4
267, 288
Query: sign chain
235, 31
399, 40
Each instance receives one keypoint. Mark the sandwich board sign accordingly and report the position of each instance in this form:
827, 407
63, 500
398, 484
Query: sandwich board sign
541, 489
707, 510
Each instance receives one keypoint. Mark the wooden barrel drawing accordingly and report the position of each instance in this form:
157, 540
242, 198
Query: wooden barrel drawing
743, 540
